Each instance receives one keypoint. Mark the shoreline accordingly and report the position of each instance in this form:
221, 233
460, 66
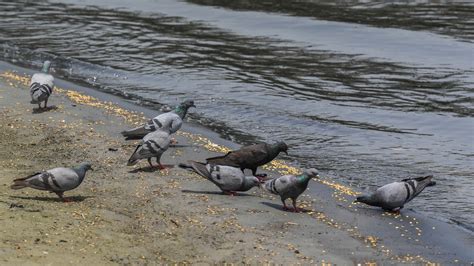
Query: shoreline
335, 231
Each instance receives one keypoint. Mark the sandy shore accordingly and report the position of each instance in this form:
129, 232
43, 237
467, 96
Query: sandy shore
131, 215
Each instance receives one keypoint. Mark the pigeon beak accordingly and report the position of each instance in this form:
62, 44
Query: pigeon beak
92, 169
286, 152
193, 105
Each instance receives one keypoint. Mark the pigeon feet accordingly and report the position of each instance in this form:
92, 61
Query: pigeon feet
66, 200
230, 193
288, 209
173, 141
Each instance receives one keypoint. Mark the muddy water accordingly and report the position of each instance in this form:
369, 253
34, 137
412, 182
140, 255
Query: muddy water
367, 92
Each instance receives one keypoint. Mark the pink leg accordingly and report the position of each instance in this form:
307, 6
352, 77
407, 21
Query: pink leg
294, 206
230, 193
285, 208
151, 165
60, 195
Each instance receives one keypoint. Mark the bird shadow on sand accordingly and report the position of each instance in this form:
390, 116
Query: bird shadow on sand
43, 110
214, 193
54, 198
150, 169
280, 207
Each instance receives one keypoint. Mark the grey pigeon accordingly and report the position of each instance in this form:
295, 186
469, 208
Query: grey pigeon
393, 196
290, 186
154, 144
41, 86
250, 157
174, 119
57, 180
229, 179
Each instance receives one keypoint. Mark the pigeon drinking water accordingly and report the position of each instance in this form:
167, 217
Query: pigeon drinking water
57, 180
229, 179
41, 86
173, 118
290, 186
393, 196
250, 157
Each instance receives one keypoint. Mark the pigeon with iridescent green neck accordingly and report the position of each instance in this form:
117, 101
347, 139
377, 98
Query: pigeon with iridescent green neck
57, 180
290, 186
393, 196
250, 157
173, 119
41, 86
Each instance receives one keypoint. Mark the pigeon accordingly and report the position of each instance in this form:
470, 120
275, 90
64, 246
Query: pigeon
229, 179
393, 196
57, 180
290, 186
173, 118
250, 157
154, 144
41, 86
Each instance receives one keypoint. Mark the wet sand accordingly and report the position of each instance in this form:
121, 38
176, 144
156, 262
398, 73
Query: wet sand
132, 215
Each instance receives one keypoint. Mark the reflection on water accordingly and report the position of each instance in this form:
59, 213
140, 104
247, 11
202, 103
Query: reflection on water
453, 18
363, 120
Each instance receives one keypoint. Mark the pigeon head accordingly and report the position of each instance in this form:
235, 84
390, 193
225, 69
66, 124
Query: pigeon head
367, 199
282, 147
311, 172
183, 107
251, 181
188, 104
86, 166
46, 66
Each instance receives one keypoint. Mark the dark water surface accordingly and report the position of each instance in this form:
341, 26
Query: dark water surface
367, 92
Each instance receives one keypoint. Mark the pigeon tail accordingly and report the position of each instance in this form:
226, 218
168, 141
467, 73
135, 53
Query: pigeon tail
19, 184
185, 166
201, 169
419, 179
135, 133
133, 160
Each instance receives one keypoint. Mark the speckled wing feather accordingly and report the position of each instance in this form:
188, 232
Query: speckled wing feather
153, 144
282, 185
227, 178
397, 194
41, 87
57, 179
166, 119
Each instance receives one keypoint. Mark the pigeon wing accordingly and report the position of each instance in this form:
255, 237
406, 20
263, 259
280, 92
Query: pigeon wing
226, 178
176, 124
64, 179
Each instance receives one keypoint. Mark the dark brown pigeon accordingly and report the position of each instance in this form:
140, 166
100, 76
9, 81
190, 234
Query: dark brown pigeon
250, 157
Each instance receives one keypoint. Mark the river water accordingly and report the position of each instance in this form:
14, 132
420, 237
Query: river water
368, 92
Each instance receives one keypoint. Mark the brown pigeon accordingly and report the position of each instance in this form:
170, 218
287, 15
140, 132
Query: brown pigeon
250, 157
